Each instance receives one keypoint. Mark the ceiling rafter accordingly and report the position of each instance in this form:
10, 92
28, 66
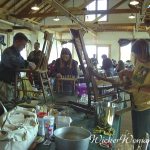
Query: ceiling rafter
53, 9
79, 12
13, 6
27, 9
73, 18
4, 3
47, 8
96, 27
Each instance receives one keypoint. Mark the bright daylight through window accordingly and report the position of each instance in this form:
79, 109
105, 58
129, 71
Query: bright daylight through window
96, 6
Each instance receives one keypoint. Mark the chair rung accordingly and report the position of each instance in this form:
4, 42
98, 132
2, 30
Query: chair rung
45, 81
30, 91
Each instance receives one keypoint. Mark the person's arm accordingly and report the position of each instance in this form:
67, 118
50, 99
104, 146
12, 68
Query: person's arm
125, 74
144, 89
75, 70
57, 68
11, 60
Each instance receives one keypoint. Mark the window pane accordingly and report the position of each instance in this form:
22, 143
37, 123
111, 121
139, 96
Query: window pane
91, 50
53, 54
104, 18
102, 50
92, 6
24, 53
125, 52
101, 4
68, 45
90, 17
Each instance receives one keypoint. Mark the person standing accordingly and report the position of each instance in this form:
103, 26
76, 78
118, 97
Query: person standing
35, 56
140, 90
107, 65
94, 61
10, 62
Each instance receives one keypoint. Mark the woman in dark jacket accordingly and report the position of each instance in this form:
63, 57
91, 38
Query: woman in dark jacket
66, 67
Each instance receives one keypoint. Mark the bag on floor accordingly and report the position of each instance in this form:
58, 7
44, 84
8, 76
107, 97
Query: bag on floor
19, 129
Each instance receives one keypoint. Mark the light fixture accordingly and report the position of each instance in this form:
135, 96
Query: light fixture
131, 16
35, 7
134, 2
56, 18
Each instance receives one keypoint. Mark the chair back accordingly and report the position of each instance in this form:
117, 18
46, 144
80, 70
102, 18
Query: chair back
46, 50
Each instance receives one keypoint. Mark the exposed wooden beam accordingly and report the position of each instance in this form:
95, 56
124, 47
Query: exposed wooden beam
126, 27
68, 14
88, 24
77, 12
52, 9
4, 3
27, 9
13, 6
22, 6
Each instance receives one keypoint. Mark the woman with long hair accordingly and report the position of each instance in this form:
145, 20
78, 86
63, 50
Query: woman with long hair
66, 67
140, 89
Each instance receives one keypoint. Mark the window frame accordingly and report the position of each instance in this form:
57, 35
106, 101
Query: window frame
96, 9
101, 45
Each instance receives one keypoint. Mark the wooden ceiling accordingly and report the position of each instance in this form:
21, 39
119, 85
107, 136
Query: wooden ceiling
19, 13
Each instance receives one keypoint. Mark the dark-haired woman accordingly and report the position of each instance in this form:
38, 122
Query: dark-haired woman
140, 89
65, 66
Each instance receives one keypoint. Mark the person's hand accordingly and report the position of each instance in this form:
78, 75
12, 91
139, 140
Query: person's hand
58, 75
125, 74
32, 65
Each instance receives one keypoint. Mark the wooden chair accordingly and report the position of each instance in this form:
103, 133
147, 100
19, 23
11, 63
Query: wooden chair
41, 68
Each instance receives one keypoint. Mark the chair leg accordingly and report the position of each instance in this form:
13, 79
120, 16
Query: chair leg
41, 80
50, 88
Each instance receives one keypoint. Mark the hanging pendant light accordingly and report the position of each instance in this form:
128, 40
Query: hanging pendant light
132, 16
35, 7
134, 2
56, 18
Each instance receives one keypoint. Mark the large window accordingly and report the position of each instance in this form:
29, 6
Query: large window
125, 52
91, 50
99, 51
68, 45
56, 50
95, 6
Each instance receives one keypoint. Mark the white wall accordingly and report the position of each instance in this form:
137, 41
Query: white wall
109, 38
